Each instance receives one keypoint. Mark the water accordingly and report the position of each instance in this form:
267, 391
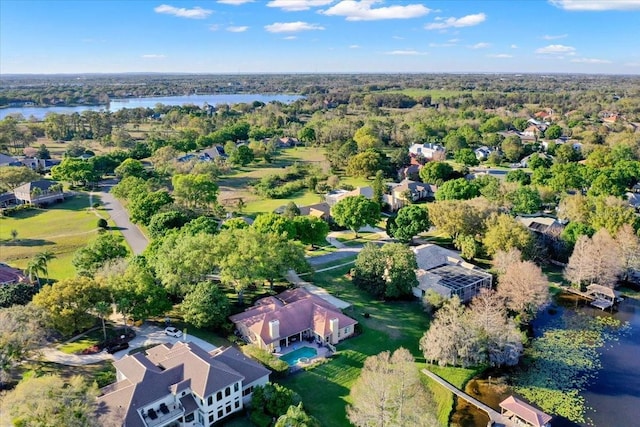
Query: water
118, 104
613, 398
294, 357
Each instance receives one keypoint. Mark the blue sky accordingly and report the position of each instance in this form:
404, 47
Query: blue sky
254, 36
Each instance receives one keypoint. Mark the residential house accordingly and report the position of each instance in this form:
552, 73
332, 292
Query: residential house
400, 193
39, 192
411, 172
429, 151
542, 224
522, 414
10, 275
482, 153
287, 142
335, 196
532, 131
445, 272
319, 210
179, 385
293, 316
9, 161
7, 199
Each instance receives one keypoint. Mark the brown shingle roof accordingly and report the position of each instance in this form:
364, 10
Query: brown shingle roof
523, 410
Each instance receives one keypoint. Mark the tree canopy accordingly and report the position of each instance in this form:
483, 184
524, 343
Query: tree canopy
356, 211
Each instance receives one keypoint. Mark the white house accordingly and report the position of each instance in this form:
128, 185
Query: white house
428, 150
179, 385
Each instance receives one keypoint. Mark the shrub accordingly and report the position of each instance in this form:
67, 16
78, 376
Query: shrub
102, 223
279, 367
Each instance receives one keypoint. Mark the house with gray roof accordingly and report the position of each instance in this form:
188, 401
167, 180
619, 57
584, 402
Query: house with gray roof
179, 385
39, 192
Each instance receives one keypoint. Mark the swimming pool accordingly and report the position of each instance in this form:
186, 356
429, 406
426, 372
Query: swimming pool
302, 353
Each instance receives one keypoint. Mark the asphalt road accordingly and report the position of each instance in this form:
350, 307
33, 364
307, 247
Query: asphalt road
132, 234
334, 256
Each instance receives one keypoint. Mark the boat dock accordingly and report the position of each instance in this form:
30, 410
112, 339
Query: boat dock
599, 296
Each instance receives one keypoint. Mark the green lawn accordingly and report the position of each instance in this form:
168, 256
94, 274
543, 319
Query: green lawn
62, 229
325, 389
349, 239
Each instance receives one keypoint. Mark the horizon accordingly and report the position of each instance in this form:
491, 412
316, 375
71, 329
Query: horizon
249, 37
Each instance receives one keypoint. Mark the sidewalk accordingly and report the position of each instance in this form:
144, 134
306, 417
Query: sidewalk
146, 335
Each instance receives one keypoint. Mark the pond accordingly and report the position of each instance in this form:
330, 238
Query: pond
150, 102
612, 397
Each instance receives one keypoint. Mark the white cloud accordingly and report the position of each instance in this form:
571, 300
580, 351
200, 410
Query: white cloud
560, 36
235, 2
354, 46
297, 5
195, 13
556, 49
363, 11
408, 52
514, 46
591, 61
291, 27
480, 45
453, 40
465, 21
397, 38
239, 29
289, 38
500, 55
596, 5
153, 56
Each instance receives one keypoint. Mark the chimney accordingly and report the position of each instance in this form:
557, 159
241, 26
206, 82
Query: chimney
274, 329
334, 327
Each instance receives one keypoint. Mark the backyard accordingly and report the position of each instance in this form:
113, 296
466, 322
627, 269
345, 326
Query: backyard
61, 228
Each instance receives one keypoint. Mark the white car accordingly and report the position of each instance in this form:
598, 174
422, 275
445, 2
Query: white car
173, 332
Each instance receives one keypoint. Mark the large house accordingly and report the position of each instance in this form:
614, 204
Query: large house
179, 385
39, 192
335, 196
445, 272
293, 316
400, 193
428, 150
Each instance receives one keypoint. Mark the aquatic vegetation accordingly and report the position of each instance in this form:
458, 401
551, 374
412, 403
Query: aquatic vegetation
561, 363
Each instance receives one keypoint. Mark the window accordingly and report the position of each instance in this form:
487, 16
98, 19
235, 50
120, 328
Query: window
211, 418
227, 391
228, 408
189, 418
237, 404
183, 393
220, 414
210, 400
236, 387
247, 391
219, 396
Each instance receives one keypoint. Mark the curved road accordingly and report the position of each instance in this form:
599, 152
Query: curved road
132, 234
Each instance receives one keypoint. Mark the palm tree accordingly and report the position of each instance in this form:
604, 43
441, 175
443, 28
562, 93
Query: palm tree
34, 268
44, 258
103, 309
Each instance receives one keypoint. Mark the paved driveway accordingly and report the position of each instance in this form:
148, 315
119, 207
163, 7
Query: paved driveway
132, 234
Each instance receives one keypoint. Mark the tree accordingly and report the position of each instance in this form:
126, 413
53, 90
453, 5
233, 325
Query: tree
524, 288
296, 417
68, 303
310, 230
553, 132
273, 399
22, 331
130, 188
48, 401
367, 138
628, 244
75, 171
494, 124
205, 306
457, 189
525, 199
410, 221
467, 157
367, 163
436, 172
291, 210
467, 245
16, 294
595, 260
504, 232
242, 155
43, 152
142, 207
503, 259
103, 309
454, 142
449, 340
354, 212
162, 222
202, 224
105, 247
387, 271
512, 148
274, 223
379, 187
519, 176
12, 177
130, 167
389, 392
457, 217
574, 230
194, 190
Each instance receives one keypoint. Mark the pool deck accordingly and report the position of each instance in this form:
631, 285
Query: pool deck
322, 351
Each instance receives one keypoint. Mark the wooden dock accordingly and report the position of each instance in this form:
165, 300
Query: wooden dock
595, 298
496, 419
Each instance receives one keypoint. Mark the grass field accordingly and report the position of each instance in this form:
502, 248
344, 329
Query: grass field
325, 389
61, 228
436, 94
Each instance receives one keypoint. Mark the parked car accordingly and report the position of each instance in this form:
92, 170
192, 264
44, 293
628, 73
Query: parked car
117, 347
173, 332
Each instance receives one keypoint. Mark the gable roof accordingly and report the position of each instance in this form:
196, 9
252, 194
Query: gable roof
11, 275
9, 161
42, 184
296, 310
532, 415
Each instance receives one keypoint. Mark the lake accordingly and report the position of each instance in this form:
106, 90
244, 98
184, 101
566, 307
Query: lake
612, 398
150, 102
